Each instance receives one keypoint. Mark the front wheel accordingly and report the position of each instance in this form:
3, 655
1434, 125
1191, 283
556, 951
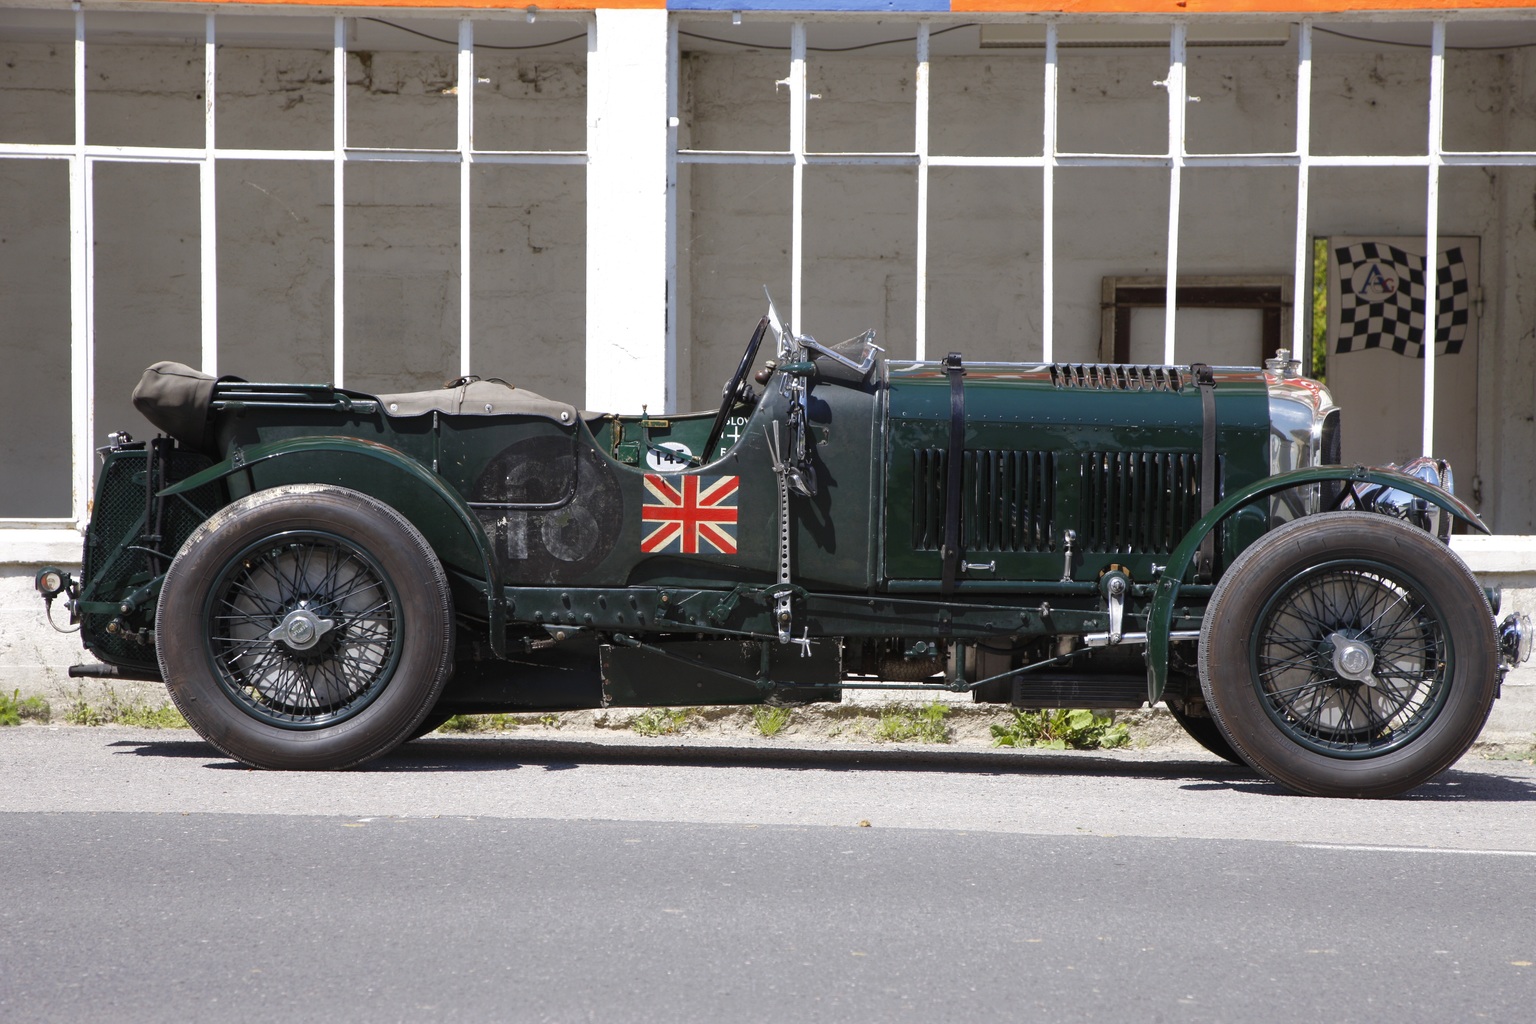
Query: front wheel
1349, 654
305, 627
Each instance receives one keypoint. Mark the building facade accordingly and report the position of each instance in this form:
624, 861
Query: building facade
589, 202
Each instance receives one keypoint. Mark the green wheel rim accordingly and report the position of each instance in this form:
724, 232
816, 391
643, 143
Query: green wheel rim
1351, 659
303, 629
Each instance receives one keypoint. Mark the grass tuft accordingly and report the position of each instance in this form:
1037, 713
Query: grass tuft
770, 720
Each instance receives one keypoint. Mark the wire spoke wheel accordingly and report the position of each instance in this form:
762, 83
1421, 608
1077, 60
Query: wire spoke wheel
305, 627
1351, 659
1348, 654
305, 630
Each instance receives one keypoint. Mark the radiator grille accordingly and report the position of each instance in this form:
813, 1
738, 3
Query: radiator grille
1139, 502
1008, 499
1117, 377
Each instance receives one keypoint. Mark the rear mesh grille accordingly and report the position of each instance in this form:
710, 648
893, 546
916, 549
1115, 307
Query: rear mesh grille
1140, 502
112, 565
119, 508
1117, 377
1008, 500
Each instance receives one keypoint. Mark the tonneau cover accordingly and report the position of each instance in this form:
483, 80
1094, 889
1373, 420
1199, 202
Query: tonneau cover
490, 397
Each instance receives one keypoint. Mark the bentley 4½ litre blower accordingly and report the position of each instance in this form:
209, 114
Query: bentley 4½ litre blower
320, 574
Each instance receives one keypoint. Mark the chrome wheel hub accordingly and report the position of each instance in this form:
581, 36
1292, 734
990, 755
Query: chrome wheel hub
1353, 659
301, 629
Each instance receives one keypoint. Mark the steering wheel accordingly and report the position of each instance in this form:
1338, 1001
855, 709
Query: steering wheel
728, 397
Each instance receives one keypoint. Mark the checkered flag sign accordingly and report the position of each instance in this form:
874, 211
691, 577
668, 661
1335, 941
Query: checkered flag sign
1381, 299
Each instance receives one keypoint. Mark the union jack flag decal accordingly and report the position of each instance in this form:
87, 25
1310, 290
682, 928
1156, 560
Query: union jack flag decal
689, 515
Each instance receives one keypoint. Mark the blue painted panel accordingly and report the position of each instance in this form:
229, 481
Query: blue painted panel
814, 6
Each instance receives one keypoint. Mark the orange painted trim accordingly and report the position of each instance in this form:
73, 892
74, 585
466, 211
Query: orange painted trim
1146, 7
478, 5
1298, 7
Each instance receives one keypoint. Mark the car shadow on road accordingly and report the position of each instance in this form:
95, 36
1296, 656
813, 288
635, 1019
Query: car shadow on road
563, 754
502, 753
1198, 772
197, 749
1454, 785
191, 746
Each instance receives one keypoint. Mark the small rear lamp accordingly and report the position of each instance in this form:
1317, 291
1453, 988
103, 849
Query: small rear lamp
51, 582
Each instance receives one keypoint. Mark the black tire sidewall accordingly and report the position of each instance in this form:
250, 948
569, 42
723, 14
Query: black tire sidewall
424, 616
1233, 695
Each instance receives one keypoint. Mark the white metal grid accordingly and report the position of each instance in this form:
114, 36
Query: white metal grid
1175, 160
82, 159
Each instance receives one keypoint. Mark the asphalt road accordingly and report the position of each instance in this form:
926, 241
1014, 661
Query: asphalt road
148, 878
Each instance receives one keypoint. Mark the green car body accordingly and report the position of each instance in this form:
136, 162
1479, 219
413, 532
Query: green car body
1036, 534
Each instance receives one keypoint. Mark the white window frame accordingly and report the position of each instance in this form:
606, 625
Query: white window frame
1175, 160
34, 539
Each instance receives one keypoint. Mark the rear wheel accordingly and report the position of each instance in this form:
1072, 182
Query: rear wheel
1348, 654
305, 627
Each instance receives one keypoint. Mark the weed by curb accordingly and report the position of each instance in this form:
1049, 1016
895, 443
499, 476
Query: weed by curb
1514, 753
1060, 729
660, 721
479, 723
118, 711
14, 710
901, 724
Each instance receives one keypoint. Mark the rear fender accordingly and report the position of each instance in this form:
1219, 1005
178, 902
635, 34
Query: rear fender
439, 512
1172, 579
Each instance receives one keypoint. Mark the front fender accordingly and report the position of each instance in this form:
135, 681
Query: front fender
1160, 615
437, 510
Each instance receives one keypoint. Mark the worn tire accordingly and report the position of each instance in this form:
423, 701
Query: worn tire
305, 627
1349, 654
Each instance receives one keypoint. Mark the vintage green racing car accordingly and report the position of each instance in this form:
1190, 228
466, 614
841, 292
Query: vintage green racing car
320, 574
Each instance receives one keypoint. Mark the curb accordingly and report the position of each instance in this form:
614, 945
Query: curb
842, 729
837, 730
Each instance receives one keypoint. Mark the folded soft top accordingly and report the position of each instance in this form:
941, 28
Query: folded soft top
175, 398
